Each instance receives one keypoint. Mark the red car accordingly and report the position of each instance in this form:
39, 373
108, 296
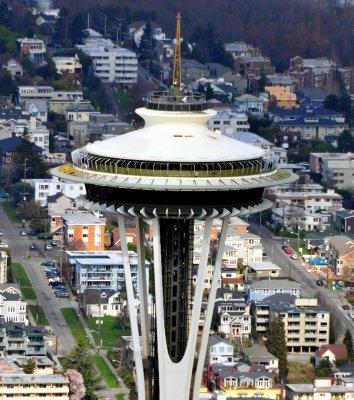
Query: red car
287, 250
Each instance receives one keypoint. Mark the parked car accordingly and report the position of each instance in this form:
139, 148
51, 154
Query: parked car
1, 233
294, 256
319, 282
288, 250
23, 233
48, 263
48, 247
345, 307
33, 247
61, 294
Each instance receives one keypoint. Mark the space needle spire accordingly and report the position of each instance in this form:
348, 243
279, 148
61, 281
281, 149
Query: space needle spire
177, 66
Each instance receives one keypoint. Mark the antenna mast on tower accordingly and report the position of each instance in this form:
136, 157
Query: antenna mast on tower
177, 66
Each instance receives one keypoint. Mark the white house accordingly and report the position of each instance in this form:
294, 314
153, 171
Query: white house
229, 122
101, 303
220, 351
3, 266
12, 308
68, 64
33, 48
330, 353
49, 187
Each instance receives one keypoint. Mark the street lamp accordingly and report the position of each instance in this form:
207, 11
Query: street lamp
103, 295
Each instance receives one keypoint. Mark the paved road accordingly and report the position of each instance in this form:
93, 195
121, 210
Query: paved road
333, 299
19, 246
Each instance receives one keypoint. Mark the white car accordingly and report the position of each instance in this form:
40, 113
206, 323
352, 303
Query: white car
48, 247
294, 256
1, 233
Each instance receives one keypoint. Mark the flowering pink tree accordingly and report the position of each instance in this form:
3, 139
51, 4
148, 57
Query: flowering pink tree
76, 384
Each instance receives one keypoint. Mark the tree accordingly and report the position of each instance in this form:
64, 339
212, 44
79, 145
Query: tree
18, 189
39, 217
348, 341
146, 46
209, 92
80, 359
332, 102
345, 142
76, 384
7, 85
276, 344
29, 367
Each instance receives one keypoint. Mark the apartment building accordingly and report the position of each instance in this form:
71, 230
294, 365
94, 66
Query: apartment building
263, 288
338, 173
19, 386
281, 96
327, 200
322, 388
306, 323
101, 269
35, 92
240, 49
43, 188
250, 104
298, 218
71, 65
18, 339
84, 230
111, 63
310, 188
342, 248
229, 122
12, 307
33, 48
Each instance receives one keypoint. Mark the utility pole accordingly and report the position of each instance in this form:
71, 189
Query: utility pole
24, 193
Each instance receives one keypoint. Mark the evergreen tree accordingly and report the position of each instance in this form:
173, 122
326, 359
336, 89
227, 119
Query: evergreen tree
80, 359
345, 142
332, 102
29, 367
146, 46
276, 344
35, 167
209, 92
348, 341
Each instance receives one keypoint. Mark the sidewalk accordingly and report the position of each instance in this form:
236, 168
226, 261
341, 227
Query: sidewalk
108, 393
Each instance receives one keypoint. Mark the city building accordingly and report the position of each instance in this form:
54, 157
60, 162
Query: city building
43, 188
102, 270
282, 96
240, 49
79, 111
111, 63
342, 248
330, 353
35, 92
99, 303
263, 269
36, 108
68, 64
229, 122
18, 339
337, 172
33, 48
344, 221
84, 230
220, 351
263, 288
14, 67
322, 388
258, 354
8, 150
172, 171
250, 104
12, 307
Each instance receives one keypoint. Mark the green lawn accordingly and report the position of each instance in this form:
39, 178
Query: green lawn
28, 293
20, 274
106, 373
38, 313
120, 396
10, 212
75, 326
110, 332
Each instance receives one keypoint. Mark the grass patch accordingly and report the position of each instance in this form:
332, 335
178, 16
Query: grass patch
75, 326
120, 396
106, 373
38, 313
28, 293
300, 373
110, 331
125, 101
296, 249
10, 212
20, 274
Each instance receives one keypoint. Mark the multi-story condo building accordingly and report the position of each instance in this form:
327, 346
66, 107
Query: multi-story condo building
263, 288
68, 64
50, 187
84, 231
240, 49
110, 62
18, 339
35, 92
33, 48
12, 307
338, 173
306, 323
229, 122
101, 269
322, 388
328, 200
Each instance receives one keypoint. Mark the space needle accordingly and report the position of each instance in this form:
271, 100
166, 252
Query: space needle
169, 173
